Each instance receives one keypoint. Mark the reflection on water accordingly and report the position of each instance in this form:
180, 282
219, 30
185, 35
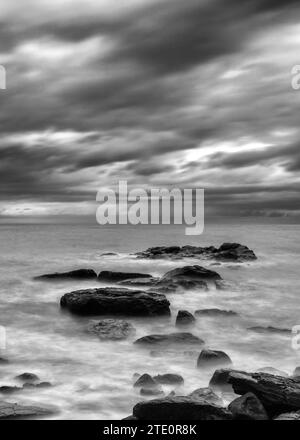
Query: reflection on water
93, 379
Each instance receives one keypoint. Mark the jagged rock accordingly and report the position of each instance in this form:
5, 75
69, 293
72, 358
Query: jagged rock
80, 274
219, 380
13, 410
209, 358
180, 408
169, 379
274, 371
289, 416
171, 338
214, 312
269, 329
112, 329
248, 407
184, 318
115, 301
27, 377
206, 395
114, 277
151, 392
232, 252
146, 381
277, 394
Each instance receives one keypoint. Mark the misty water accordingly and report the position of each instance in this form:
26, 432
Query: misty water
94, 379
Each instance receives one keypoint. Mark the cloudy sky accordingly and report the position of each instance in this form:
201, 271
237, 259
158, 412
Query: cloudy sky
193, 93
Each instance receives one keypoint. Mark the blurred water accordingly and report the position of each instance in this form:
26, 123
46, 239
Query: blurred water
93, 379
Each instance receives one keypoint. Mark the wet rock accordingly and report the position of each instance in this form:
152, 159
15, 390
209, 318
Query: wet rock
248, 407
184, 318
270, 330
191, 274
171, 338
146, 381
206, 395
212, 358
219, 380
15, 411
6, 389
169, 379
151, 392
115, 301
140, 282
108, 254
29, 385
277, 394
215, 312
296, 372
289, 416
232, 252
180, 408
112, 329
80, 274
114, 277
27, 377
273, 371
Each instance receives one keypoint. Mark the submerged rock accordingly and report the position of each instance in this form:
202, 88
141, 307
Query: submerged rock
248, 407
151, 392
269, 329
6, 389
209, 358
180, 408
27, 377
29, 385
171, 338
169, 379
13, 410
114, 277
214, 312
146, 381
232, 252
206, 395
115, 301
184, 318
80, 274
114, 329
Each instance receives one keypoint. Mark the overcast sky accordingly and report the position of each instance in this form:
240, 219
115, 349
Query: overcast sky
193, 93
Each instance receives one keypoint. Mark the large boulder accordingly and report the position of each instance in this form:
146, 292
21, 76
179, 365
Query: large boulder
115, 277
115, 301
15, 411
277, 394
184, 318
212, 358
191, 274
27, 377
169, 339
206, 395
112, 329
231, 252
80, 274
146, 381
219, 380
180, 408
248, 407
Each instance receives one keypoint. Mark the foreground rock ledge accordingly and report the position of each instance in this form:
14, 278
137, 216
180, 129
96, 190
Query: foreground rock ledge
115, 301
13, 410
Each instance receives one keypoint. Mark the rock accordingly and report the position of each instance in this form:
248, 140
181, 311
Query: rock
273, 371
248, 407
219, 380
169, 379
115, 301
179, 408
108, 254
171, 338
277, 394
184, 318
296, 372
5, 389
232, 252
270, 329
206, 395
289, 416
37, 385
146, 381
209, 358
112, 329
80, 274
140, 282
215, 312
151, 392
13, 410
27, 377
114, 277
130, 418
190, 274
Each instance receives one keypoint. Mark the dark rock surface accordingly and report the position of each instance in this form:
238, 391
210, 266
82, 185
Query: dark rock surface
115, 277
3, 361
289, 416
209, 358
232, 252
112, 329
29, 385
80, 274
274, 371
277, 394
270, 330
6, 389
206, 395
169, 379
171, 338
115, 301
214, 312
180, 408
151, 392
219, 380
146, 381
13, 410
184, 318
248, 407
27, 377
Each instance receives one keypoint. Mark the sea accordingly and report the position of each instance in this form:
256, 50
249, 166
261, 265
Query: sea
93, 379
